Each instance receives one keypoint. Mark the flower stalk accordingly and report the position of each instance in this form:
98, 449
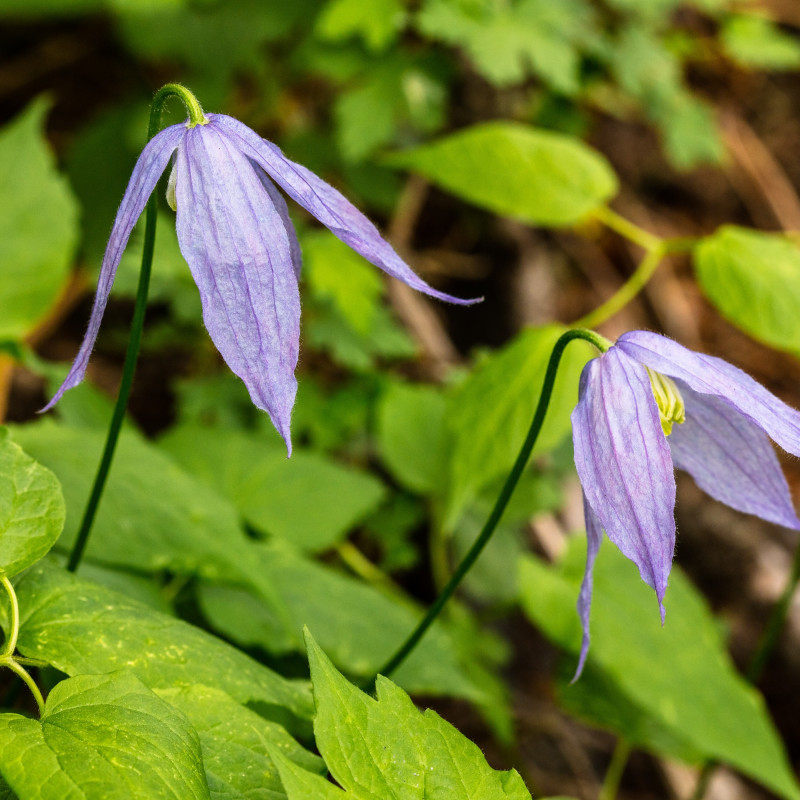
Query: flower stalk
503, 498
196, 117
7, 657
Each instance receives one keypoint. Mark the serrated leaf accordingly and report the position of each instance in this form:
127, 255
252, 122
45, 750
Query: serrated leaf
490, 413
308, 500
237, 744
38, 224
753, 278
80, 627
377, 22
512, 169
411, 435
31, 508
103, 736
676, 689
385, 747
508, 41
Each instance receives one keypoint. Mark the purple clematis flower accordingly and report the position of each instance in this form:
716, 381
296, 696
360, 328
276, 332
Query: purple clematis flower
234, 231
649, 404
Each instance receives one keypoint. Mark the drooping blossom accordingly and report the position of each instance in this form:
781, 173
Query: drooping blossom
235, 233
648, 405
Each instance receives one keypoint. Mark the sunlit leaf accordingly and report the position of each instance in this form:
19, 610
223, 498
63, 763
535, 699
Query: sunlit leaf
103, 736
38, 224
31, 508
533, 175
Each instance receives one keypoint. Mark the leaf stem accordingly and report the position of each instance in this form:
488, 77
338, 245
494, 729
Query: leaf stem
13, 634
628, 290
196, 117
500, 504
23, 673
616, 767
630, 230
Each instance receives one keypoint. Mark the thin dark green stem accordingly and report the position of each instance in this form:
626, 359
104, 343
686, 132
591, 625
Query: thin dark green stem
195, 117
767, 645
502, 501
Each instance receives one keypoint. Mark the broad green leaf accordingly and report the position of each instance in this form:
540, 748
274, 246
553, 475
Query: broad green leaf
336, 272
758, 43
359, 625
31, 508
38, 224
237, 744
102, 736
753, 278
377, 22
80, 627
385, 747
675, 688
533, 175
411, 436
490, 413
153, 515
308, 500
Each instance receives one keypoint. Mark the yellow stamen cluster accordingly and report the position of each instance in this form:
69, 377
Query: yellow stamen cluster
668, 398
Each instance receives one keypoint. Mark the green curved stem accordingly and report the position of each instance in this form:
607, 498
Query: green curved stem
13, 634
196, 117
23, 673
502, 501
629, 290
624, 227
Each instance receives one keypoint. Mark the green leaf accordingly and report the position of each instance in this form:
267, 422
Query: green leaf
758, 43
309, 500
38, 224
31, 508
377, 22
385, 747
753, 278
80, 627
512, 169
335, 272
358, 624
153, 515
237, 744
490, 413
103, 736
675, 688
411, 436
507, 41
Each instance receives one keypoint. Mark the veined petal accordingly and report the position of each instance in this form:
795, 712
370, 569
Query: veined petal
624, 464
283, 212
151, 164
713, 376
594, 536
240, 255
329, 206
731, 459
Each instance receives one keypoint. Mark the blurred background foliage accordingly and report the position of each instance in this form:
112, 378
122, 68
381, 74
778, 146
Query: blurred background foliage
485, 137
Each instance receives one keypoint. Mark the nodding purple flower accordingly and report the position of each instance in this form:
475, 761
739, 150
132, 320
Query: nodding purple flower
234, 231
648, 405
